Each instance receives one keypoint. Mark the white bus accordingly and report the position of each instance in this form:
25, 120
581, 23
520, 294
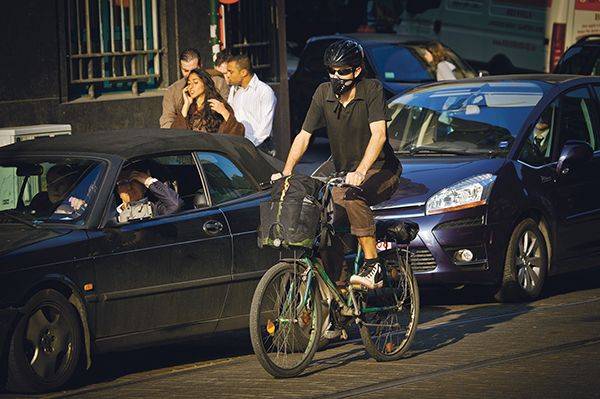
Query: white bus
504, 35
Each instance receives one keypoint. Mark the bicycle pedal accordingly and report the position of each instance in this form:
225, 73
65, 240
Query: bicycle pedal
358, 287
346, 311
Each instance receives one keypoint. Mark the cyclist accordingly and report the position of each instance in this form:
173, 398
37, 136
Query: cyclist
353, 111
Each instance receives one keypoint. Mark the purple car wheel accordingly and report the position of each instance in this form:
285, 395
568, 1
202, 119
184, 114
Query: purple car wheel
526, 264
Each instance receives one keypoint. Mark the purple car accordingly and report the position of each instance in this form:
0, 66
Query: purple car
502, 174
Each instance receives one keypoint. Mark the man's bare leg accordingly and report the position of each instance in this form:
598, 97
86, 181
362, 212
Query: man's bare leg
369, 246
371, 273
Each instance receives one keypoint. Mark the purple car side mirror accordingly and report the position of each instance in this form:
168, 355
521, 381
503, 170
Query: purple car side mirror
573, 153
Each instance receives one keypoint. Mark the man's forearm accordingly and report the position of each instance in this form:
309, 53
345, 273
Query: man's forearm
298, 149
374, 147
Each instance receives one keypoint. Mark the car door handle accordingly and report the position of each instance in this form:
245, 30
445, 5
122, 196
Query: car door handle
212, 227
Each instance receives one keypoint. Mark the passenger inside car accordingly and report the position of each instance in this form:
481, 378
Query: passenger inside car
144, 196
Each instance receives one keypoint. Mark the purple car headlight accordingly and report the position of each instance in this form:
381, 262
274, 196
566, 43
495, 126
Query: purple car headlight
467, 193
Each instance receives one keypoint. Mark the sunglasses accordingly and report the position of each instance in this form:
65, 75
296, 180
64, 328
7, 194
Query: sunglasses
123, 182
340, 72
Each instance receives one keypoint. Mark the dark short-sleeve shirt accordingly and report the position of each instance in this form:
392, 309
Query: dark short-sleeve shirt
348, 127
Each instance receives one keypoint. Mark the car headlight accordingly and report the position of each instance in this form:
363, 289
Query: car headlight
467, 193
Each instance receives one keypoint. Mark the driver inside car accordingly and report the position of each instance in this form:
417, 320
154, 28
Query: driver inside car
143, 197
541, 132
60, 179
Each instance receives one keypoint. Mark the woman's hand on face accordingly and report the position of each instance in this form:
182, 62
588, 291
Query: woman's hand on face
187, 99
219, 107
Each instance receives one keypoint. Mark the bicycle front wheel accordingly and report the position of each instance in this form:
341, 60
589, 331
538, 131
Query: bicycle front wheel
285, 320
390, 315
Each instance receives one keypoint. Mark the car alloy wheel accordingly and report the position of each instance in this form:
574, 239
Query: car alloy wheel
529, 262
46, 344
526, 264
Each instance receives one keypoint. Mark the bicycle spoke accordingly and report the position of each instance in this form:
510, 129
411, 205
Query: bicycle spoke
389, 331
285, 321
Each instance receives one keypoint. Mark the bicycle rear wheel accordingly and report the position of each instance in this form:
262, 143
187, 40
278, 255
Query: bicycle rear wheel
390, 315
284, 332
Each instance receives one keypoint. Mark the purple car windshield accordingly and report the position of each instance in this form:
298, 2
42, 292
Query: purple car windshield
463, 117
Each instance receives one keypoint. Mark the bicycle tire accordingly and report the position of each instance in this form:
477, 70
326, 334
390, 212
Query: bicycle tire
262, 311
389, 350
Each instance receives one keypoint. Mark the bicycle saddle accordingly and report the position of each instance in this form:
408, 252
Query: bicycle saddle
403, 232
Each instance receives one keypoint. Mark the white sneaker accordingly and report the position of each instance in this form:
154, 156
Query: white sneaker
370, 277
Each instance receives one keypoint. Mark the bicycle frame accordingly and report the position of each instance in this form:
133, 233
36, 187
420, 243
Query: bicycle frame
345, 301
348, 302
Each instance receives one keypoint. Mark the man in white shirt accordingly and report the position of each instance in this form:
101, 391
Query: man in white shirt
252, 100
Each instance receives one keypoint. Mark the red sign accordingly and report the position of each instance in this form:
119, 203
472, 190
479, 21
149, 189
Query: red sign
587, 5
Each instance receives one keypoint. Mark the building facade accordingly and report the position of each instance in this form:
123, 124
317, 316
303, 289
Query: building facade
104, 64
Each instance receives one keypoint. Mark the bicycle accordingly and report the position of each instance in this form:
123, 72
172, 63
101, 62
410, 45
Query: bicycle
286, 316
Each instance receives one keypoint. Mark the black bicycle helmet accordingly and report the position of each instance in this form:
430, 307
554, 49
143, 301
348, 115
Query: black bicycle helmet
344, 53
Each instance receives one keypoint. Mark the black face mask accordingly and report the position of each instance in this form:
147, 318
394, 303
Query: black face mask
340, 86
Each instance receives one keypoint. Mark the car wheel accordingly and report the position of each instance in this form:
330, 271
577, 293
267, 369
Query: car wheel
526, 264
46, 344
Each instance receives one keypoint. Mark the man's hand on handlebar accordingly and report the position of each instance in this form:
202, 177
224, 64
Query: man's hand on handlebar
277, 176
355, 178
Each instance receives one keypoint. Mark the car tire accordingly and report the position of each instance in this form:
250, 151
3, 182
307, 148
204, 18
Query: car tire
525, 265
46, 345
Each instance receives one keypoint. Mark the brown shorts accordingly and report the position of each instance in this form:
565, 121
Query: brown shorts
352, 205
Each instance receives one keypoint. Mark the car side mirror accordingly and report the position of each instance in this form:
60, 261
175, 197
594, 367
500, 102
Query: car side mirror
573, 153
482, 72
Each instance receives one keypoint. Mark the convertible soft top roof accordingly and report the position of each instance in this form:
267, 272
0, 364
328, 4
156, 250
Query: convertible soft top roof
134, 143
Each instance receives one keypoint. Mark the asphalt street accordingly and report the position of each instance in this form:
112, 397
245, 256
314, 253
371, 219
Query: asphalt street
466, 346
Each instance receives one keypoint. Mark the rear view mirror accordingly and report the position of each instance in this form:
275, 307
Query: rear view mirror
30, 170
573, 153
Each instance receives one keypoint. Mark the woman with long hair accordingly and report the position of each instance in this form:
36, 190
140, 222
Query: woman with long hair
204, 110
437, 57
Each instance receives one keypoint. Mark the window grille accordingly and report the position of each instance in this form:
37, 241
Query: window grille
251, 28
113, 45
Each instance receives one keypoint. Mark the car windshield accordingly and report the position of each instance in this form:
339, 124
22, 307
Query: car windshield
38, 191
462, 117
396, 63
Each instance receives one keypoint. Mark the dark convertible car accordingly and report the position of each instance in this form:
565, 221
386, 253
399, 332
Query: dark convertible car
75, 282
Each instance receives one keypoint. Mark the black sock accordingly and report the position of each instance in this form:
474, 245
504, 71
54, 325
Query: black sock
371, 262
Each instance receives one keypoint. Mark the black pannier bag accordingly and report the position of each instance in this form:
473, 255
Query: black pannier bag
292, 217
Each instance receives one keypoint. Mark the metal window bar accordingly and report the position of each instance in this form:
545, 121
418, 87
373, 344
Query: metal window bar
252, 30
117, 42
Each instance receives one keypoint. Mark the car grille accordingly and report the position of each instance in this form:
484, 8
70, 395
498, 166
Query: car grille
422, 260
467, 222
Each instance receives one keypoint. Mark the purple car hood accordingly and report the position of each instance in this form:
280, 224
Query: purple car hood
424, 176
